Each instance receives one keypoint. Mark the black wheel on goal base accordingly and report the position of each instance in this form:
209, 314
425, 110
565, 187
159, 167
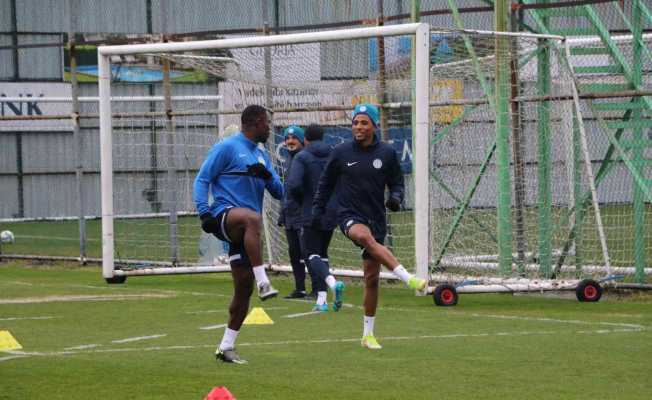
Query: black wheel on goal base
445, 295
116, 279
588, 290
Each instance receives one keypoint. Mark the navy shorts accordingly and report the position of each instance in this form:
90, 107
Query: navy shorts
347, 223
237, 253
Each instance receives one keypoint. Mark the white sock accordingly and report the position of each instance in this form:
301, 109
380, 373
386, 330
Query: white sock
368, 326
321, 298
228, 340
402, 273
260, 274
330, 281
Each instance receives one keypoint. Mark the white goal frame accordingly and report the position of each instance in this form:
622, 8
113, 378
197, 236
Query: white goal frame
421, 129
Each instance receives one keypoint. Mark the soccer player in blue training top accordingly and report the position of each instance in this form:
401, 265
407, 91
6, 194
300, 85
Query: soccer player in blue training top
316, 235
291, 217
362, 169
237, 171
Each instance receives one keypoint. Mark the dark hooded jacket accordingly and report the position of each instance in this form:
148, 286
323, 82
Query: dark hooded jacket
307, 167
290, 209
361, 175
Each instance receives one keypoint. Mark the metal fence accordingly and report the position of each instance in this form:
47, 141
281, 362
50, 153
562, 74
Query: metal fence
49, 152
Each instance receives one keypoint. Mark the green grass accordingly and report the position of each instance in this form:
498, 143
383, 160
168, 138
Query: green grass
488, 347
148, 239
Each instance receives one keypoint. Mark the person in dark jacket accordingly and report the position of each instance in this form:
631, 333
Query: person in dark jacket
301, 184
362, 169
291, 216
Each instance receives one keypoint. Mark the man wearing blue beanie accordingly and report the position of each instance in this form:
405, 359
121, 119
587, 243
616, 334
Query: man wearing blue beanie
291, 217
293, 132
361, 170
370, 111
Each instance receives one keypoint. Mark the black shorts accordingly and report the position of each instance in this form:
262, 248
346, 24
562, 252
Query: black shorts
379, 236
237, 253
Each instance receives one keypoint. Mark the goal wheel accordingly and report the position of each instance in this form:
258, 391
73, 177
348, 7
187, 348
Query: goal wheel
445, 295
116, 279
588, 290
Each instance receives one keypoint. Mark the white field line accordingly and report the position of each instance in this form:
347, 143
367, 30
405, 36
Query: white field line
17, 283
521, 318
83, 347
562, 321
324, 341
201, 293
303, 314
16, 354
25, 318
7, 358
139, 338
63, 298
211, 327
225, 311
107, 287
165, 291
208, 312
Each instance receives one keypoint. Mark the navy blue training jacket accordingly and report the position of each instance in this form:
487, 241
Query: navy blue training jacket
290, 208
361, 175
301, 182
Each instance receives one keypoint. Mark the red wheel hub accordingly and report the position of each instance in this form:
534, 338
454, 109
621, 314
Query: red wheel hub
590, 292
447, 296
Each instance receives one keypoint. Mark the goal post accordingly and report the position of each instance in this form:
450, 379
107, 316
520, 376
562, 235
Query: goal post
201, 55
559, 198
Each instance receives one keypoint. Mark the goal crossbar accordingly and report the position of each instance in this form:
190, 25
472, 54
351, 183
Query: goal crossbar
421, 34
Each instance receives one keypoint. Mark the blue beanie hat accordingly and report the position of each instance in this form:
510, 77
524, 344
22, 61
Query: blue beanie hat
370, 111
294, 131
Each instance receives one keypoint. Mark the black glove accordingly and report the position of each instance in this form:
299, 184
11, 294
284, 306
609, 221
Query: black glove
209, 223
393, 204
259, 171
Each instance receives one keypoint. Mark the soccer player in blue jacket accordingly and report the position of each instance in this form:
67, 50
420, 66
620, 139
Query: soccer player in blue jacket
237, 171
362, 169
301, 184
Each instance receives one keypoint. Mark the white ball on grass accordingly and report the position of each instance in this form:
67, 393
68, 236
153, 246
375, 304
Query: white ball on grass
7, 237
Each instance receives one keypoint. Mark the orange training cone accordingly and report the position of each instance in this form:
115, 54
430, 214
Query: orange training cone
219, 393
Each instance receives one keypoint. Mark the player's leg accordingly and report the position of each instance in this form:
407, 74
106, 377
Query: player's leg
338, 287
297, 262
244, 226
243, 279
325, 242
313, 244
370, 301
362, 235
243, 285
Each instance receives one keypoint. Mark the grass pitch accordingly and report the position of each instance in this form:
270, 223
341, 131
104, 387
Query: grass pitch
85, 339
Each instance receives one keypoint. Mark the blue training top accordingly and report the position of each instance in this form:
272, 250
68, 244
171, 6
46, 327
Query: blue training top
222, 172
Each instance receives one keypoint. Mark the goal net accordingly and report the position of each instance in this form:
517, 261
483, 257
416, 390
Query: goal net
500, 159
554, 205
150, 160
